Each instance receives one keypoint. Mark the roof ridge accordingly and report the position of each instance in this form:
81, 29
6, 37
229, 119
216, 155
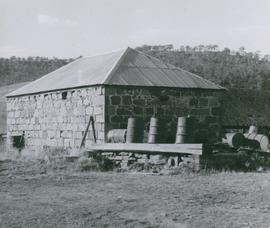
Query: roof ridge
115, 66
105, 53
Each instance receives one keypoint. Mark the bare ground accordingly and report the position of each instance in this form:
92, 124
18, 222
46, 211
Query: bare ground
96, 199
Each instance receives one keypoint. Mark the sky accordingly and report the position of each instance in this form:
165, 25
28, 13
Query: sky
70, 28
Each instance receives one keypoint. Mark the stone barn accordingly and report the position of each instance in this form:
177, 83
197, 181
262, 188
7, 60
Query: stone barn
54, 110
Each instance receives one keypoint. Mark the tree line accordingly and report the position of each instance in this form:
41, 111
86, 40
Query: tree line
17, 69
229, 68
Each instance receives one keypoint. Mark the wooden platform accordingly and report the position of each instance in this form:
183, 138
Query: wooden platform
145, 148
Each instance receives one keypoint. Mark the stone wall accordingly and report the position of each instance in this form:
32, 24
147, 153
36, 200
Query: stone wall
55, 119
203, 107
59, 119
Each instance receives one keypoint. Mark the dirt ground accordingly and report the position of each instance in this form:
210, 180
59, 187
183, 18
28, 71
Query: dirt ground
110, 199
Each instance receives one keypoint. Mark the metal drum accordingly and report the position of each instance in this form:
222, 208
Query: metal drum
157, 131
117, 136
262, 139
236, 139
135, 131
181, 130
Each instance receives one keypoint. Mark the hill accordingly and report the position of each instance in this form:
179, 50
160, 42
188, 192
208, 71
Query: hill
244, 107
231, 69
16, 69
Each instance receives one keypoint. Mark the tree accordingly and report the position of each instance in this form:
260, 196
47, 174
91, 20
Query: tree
229, 68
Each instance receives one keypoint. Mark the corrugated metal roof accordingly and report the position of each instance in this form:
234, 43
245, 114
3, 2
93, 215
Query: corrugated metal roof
81, 72
143, 70
126, 67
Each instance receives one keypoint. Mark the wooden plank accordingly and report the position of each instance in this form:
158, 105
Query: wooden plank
147, 148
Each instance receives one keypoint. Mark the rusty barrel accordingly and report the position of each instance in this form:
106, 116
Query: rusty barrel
236, 139
117, 136
181, 130
135, 131
251, 143
157, 130
262, 139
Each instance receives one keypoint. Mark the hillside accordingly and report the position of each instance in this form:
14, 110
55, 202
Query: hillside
231, 69
245, 107
16, 69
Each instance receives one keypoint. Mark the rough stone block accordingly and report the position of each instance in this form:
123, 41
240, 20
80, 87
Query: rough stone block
207, 93
69, 127
126, 100
101, 135
89, 110
77, 142
51, 142
139, 102
17, 114
123, 111
99, 126
193, 101
74, 127
149, 111
216, 111
67, 142
204, 111
115, 100
98, 110
99, 118
111, 90
60, 142
111, 110
88, 143
211, 119
203, 102
214, 102
71, 143
81, 127
98, 100
125, 91
193, 112
138, 110
86, 101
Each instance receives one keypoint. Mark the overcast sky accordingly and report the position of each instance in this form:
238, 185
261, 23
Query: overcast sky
69, 28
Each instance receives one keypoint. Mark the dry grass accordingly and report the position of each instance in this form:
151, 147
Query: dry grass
98, 199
